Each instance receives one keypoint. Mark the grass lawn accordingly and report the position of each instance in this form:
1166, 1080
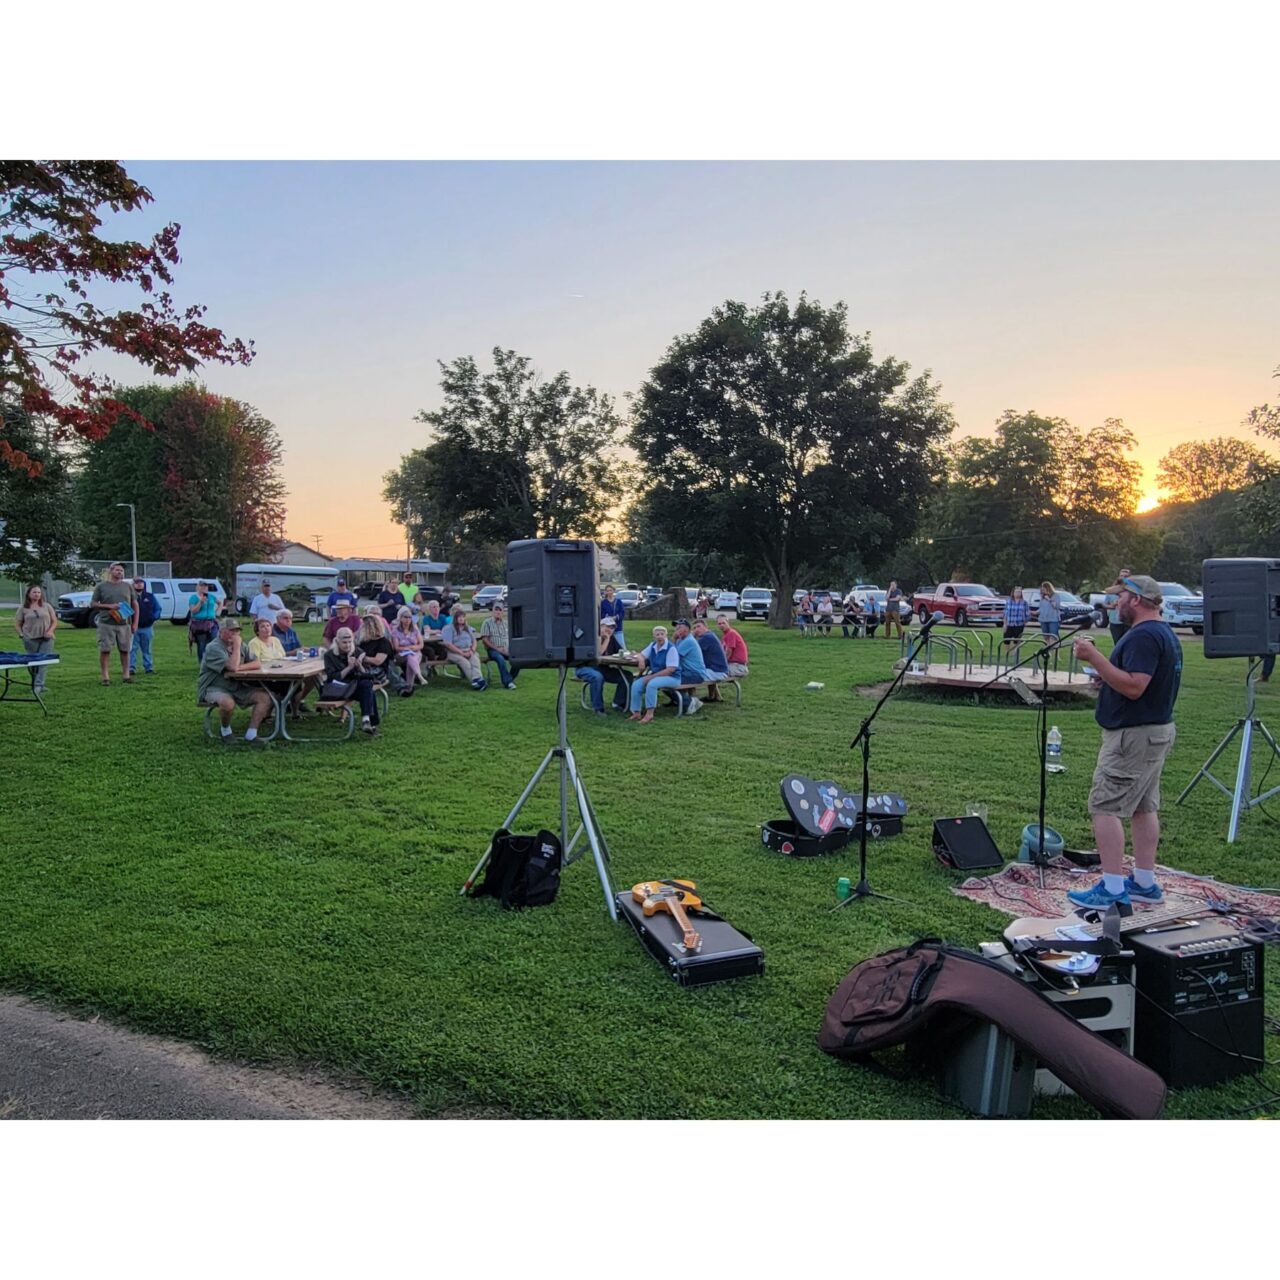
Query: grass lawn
299, 903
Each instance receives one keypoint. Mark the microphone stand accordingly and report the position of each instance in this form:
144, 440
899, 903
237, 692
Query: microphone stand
863, 888
1042, 714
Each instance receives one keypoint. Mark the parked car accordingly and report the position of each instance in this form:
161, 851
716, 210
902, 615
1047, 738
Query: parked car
1182, 607
967, 604
1070, 606
799, 594
754, 602
874, 601
652, 593
630, 597
487, 597
172, 595
727, 600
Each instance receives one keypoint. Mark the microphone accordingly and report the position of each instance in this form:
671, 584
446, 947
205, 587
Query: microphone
935, 617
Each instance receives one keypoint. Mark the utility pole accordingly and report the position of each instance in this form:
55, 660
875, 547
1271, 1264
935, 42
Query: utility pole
133, 532
315, 537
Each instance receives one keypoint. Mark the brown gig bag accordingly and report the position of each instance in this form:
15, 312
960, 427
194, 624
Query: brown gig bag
920, 993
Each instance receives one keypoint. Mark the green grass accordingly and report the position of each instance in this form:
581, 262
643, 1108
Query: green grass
295, 903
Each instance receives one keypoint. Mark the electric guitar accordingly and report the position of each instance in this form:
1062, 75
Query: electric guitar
671, 896
1074, 929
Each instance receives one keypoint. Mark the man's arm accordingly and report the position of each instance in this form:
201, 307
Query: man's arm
1128, 684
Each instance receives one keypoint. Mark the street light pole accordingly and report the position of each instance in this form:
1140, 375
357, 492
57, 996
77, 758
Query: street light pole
133, 532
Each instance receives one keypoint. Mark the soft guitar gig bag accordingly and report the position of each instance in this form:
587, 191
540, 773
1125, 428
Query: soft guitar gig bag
522, 871
922, 993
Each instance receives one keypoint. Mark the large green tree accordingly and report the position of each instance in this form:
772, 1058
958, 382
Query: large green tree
1040, 499
37, 510
512, 455
1262, 501
1201, 468
773, 435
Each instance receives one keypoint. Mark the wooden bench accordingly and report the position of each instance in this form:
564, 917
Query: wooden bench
709, 685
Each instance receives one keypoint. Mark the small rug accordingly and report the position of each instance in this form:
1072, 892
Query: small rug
1016, 891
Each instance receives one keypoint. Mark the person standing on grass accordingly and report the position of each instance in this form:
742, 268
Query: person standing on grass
1016, 613
735, 647
1050, 614
117, 608
495, 638
216, 685
266, 604
407, 588
1135, 709
893, 610
202, 618
612, 607
389, 601
148, 612
36, 621
1112, 602
460, 643
339, 592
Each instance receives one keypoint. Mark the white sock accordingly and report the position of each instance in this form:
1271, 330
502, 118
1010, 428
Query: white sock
226, 731
1112, 884
250, 734
1143, 878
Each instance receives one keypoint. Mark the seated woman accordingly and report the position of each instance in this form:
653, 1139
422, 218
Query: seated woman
597, 677
659, 667
804, 613
824, 613
264, 646
851, 617
433, 623
346, 677
380, 653
407, 640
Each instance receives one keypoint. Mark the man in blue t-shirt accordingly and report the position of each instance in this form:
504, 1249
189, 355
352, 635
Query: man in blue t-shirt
693, 669
713, 656
340, 593
1135, 709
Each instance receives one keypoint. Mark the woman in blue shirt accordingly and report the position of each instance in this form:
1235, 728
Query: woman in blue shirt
1016, 613
611, 607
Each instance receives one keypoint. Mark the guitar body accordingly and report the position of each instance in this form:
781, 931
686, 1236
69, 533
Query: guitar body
671, 896
1076, 928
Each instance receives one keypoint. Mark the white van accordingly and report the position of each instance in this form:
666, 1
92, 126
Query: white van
172, 595
316, 580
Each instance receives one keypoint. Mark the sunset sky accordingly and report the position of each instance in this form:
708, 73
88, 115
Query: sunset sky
1145, 292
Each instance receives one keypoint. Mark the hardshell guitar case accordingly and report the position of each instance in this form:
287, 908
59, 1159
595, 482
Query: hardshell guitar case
725, 952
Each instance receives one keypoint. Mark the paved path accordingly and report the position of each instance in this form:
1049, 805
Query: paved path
58, 1067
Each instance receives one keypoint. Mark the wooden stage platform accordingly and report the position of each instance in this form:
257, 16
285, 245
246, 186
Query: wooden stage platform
938, 675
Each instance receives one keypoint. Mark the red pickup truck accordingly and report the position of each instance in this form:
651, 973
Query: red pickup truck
967, 604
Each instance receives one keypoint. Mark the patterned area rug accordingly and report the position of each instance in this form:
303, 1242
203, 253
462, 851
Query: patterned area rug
1016, 891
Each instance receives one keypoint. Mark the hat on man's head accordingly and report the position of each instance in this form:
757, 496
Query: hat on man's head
1147, 588
230, 624
682, 622
609, 622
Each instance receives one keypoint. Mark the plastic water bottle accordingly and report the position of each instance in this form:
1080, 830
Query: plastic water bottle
1053, 749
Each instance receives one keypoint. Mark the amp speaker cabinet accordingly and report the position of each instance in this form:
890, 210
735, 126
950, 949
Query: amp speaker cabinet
964, 844
553, 601
1241, 607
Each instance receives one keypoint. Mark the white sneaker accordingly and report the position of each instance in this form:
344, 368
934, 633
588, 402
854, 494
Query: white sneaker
512, 685
694, 704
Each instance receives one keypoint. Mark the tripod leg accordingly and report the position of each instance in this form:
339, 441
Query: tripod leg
593, 835
1208, 764
1239, 799
509, 819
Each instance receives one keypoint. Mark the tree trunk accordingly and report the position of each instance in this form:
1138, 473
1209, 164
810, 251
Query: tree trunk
780, 610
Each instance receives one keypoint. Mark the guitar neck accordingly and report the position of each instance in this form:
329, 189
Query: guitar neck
1148, 920
691, 939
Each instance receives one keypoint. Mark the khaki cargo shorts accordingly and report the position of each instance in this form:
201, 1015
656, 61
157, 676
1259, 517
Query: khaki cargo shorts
112, 635
1127, 778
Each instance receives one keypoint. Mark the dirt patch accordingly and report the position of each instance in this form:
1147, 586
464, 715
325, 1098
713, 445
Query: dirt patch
57, 1066
873, 690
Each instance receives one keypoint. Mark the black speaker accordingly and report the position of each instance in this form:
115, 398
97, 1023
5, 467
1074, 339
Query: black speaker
965, 844
1241, 607
553, 601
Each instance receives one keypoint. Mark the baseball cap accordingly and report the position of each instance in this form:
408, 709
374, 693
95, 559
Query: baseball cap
608, 622
682, 622
1140, 585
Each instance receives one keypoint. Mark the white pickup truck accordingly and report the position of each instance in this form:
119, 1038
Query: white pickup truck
1182, 607
172, 595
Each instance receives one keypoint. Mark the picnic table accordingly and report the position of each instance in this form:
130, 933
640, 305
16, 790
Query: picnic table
629, 664
11, 662
281, 677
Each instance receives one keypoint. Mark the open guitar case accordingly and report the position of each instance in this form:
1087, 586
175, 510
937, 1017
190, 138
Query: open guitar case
725, 952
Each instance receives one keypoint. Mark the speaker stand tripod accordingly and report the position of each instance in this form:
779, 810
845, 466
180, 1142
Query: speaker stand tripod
1241, 802
588, 824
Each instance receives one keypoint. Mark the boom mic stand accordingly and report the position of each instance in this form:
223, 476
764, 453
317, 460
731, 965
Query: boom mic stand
1042, 714
863, 888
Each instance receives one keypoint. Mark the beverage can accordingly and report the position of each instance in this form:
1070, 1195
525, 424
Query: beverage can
844, 887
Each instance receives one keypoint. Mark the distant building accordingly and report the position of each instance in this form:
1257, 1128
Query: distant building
300, 553
430, 573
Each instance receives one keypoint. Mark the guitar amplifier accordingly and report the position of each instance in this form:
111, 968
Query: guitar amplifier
725, 952
1199, 1018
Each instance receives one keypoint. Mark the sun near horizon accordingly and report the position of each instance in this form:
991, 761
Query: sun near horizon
1148, 502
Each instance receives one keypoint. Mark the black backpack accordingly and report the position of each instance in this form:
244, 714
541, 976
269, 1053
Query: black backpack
523, 871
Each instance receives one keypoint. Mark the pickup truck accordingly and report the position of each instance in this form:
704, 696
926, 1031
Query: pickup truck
171, 595
967, 604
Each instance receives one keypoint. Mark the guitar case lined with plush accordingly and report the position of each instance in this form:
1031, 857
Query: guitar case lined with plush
928, 994
725, 951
